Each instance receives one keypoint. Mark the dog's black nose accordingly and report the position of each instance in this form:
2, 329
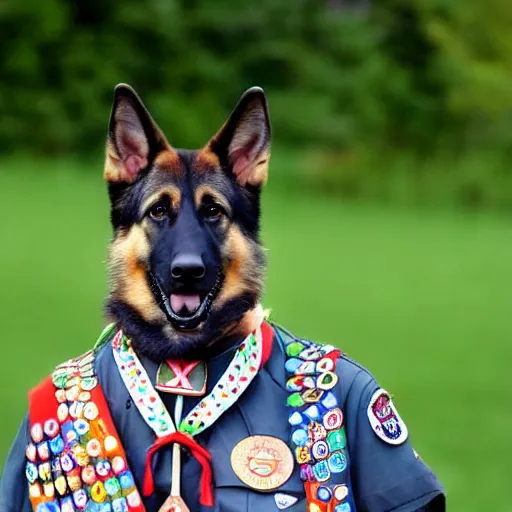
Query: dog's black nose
188, 267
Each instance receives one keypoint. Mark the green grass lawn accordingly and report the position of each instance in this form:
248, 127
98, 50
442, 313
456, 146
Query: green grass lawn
422, 298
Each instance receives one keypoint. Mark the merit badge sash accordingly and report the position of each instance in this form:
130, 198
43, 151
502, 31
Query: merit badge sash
75, 460
318, 436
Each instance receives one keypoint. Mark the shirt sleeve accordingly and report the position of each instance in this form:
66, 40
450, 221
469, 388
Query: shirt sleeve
13, 484
386, 477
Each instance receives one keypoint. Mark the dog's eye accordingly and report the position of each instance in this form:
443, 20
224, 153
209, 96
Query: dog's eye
158, 211
212, 211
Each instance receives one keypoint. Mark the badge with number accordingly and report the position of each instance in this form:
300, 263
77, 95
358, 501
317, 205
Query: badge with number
262, 462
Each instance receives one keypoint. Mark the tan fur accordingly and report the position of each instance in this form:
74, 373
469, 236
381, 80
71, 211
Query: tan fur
254, 170
114, 170
249, 322
248, 133
206, 160
241, 273
204, 190
257, 174
169, 160
129, 253
173, 193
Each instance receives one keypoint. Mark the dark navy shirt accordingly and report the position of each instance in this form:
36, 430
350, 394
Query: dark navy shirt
385, 478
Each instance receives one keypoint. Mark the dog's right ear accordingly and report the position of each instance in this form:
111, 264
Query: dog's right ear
133, 137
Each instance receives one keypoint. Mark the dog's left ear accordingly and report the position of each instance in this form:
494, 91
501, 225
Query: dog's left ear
243, 143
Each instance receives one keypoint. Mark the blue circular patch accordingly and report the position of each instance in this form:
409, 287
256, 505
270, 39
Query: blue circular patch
81, 427
306, 368
103, 468
321, 471
320, 450
57, 445
67, 462
67, 504
31, 472
112, 486
126, 480
50, 506
120, 505
329, 401
295, 419
337, 462
312, 412
324, 494
80, 498
95, 507
292, 364
300, 437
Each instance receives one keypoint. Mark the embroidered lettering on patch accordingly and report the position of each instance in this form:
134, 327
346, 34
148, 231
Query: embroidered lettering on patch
385, 420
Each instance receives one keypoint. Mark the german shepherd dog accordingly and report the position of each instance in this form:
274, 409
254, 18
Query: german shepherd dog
186, 264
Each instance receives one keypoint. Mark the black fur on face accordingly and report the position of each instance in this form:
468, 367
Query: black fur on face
185, 262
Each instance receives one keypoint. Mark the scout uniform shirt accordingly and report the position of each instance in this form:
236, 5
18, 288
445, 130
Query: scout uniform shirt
384, 476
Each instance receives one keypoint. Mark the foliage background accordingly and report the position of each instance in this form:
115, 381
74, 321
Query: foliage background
412, 94
387, 214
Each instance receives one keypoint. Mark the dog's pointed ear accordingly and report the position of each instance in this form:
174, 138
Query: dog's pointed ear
133, 137
243, 143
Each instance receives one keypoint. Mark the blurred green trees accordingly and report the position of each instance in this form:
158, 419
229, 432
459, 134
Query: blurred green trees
424, 79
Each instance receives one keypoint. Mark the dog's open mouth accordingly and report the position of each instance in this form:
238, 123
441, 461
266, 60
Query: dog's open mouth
185, 311
185, 305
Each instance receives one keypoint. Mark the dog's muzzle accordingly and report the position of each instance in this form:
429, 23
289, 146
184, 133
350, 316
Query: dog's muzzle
184, 323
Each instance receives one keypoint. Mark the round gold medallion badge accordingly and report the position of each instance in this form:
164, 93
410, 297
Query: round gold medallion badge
262, 462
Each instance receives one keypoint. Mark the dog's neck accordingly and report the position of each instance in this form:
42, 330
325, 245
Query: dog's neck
153, 342
235, 333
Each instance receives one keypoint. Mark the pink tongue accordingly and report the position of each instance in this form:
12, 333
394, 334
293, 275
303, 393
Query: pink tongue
188, 302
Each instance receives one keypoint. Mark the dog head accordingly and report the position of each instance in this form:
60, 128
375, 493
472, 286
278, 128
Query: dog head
186, 265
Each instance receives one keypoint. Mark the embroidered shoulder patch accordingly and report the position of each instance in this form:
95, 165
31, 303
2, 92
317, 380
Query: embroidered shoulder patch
385, 420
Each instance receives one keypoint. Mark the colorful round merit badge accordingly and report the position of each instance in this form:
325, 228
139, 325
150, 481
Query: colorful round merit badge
262, 462
385, 420
340, 492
